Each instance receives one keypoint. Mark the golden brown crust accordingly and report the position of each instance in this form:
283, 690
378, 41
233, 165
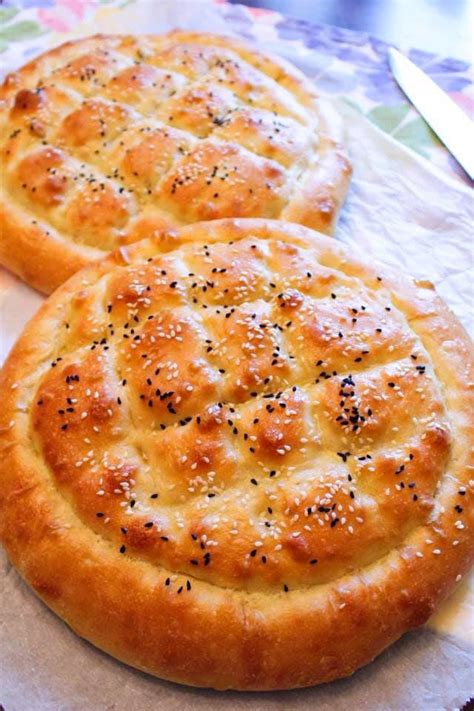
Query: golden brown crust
109, 139
236, 456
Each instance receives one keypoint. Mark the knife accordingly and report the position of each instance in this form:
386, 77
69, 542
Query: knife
448, 121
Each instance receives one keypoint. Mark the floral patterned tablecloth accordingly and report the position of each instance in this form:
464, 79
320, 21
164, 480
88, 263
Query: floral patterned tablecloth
344, 62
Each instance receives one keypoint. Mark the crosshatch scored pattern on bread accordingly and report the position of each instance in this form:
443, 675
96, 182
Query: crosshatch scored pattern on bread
236, 456
111, 138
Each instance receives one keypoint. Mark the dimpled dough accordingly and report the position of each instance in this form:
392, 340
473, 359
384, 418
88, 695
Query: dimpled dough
108, 139
235, 456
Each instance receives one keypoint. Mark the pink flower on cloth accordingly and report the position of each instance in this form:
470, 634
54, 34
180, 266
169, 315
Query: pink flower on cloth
65, 14
77, 6
464, 101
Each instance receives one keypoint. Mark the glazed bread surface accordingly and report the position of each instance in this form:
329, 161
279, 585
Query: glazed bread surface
106, 140
234, 455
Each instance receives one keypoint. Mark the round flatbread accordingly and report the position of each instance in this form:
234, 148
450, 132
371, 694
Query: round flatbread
237, 456
111, 138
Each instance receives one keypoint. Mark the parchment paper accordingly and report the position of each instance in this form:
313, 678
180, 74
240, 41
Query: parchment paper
400, 210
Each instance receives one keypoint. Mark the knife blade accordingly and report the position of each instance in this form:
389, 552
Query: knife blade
448, 121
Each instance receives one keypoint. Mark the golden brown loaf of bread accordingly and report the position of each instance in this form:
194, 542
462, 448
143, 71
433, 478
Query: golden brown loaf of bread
236, 456
107, 139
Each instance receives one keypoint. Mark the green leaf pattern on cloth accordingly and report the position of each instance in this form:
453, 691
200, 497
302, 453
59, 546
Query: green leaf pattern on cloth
6, 13
412, 132
27, 29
